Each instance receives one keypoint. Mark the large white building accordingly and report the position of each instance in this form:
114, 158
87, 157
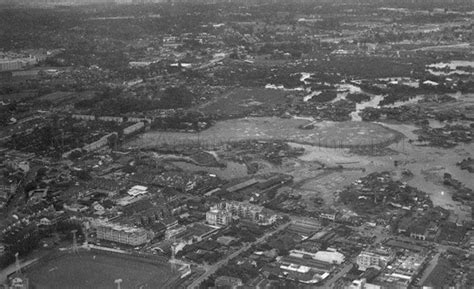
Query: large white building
251, 212
17, 63
373, 259
367, 260
122, 234
330, 256
137, 190
218, 217
8, 65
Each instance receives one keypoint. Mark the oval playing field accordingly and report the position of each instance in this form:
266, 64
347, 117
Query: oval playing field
87, 270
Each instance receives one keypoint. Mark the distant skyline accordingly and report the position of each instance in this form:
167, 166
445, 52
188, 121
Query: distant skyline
78, 2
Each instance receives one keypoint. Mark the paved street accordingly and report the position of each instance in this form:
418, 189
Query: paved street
337, 276
430, 268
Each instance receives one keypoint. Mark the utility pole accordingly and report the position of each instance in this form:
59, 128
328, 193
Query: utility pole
74, 242
17, 263
86, 237
173, 257
62, 140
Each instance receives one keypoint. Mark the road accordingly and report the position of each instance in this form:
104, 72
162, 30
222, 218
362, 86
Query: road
337, 276
213, 268
430, 268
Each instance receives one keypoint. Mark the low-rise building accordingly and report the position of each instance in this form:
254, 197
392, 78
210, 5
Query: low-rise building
117, 119
173, 232
17, 165
75, 207
401, 271
304, 227
418, 232
308, 271
170, 222
83, 116
362, 284
45, 222
103, 141
7, 190
133, 128
328, 215
228, 282
19, 282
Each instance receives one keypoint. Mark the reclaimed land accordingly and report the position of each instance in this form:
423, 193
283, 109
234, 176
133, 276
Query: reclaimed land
324, 133
244, 100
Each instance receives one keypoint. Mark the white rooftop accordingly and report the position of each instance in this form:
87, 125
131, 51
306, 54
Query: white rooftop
137, 190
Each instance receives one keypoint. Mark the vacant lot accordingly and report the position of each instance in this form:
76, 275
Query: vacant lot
244, 100
325, 134
92, 270
231, 171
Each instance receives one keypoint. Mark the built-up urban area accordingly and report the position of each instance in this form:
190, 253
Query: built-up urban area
236, 144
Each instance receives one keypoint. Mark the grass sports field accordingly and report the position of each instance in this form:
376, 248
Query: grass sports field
98, 270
